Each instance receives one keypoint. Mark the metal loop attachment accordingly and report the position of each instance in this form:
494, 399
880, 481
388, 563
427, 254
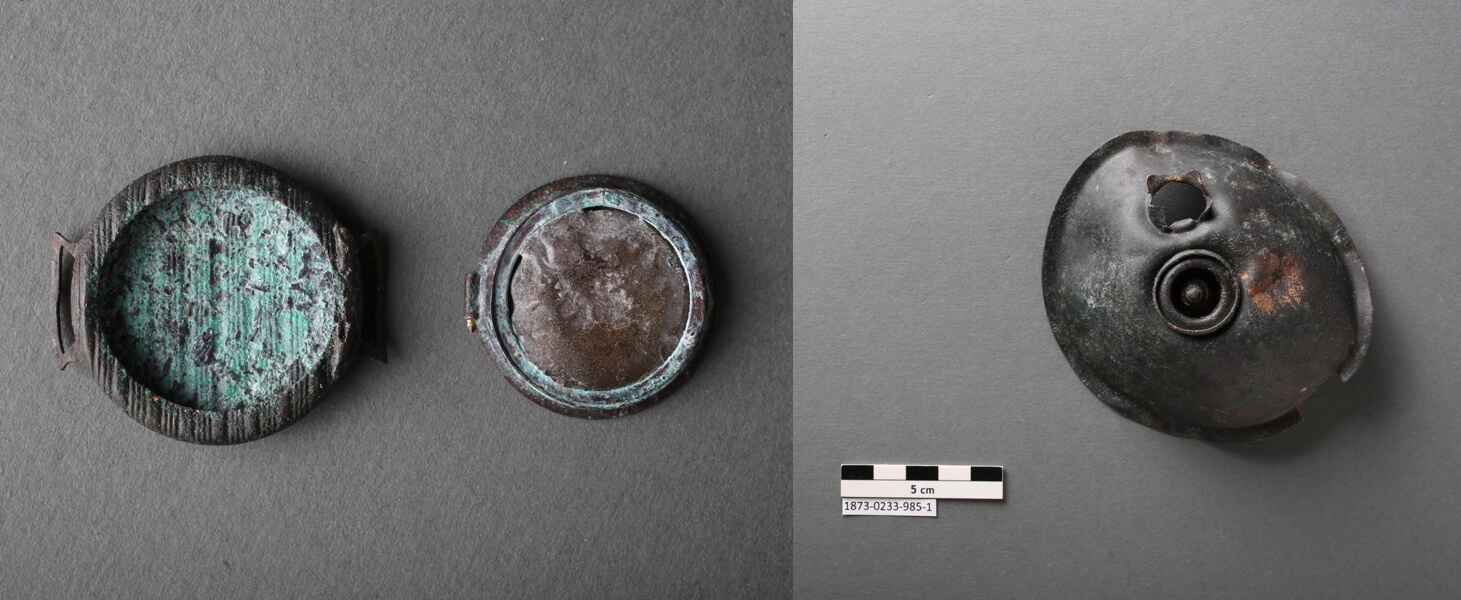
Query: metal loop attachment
63, 258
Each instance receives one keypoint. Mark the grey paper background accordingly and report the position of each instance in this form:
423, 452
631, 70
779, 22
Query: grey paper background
932, 140
428, 476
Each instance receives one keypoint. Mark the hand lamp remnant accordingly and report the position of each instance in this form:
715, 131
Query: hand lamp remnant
1198, 289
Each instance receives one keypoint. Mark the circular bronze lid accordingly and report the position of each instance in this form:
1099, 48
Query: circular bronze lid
215, 300
593, 296
1198, 289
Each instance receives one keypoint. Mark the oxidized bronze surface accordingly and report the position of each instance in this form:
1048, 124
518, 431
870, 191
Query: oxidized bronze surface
599, 299
1198, 289
593, 296
216, 300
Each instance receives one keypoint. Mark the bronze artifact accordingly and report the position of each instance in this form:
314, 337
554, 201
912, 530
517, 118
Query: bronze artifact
215, 300
1199, 290
593, 296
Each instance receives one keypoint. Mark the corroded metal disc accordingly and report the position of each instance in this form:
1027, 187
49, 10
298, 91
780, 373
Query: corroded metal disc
215, 300
599, 299
593, 296
1211, 317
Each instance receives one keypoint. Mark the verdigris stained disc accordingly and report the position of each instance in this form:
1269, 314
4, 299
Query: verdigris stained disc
217, 300
593, 296
1200, 290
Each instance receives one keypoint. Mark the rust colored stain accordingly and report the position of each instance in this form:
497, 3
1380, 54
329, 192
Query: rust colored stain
1277, 284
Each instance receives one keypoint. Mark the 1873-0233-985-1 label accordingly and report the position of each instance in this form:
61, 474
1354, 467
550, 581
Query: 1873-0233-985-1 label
914, 490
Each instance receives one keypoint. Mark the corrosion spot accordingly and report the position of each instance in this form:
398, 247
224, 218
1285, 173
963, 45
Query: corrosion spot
600, 299
1278, 283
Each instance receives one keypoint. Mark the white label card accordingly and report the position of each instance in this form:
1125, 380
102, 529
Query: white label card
889, 508
919, 482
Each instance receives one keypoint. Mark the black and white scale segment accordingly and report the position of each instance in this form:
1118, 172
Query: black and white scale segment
955, 482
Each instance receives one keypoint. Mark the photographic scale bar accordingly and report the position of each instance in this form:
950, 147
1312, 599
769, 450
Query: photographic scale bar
951, 482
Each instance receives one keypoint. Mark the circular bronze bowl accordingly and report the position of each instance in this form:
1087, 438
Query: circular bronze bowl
593, 296
215, 300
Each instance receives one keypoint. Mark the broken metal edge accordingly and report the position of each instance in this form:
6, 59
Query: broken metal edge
1118, 401
488, 303
1364, 309
178, 421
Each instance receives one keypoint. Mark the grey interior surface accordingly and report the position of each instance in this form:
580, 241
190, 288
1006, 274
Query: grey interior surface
932, 140
428, 476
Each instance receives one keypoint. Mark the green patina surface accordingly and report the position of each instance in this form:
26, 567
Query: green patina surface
217, 298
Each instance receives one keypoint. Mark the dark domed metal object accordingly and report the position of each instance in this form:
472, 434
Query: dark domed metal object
1199, 290
593, 296
215, 300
